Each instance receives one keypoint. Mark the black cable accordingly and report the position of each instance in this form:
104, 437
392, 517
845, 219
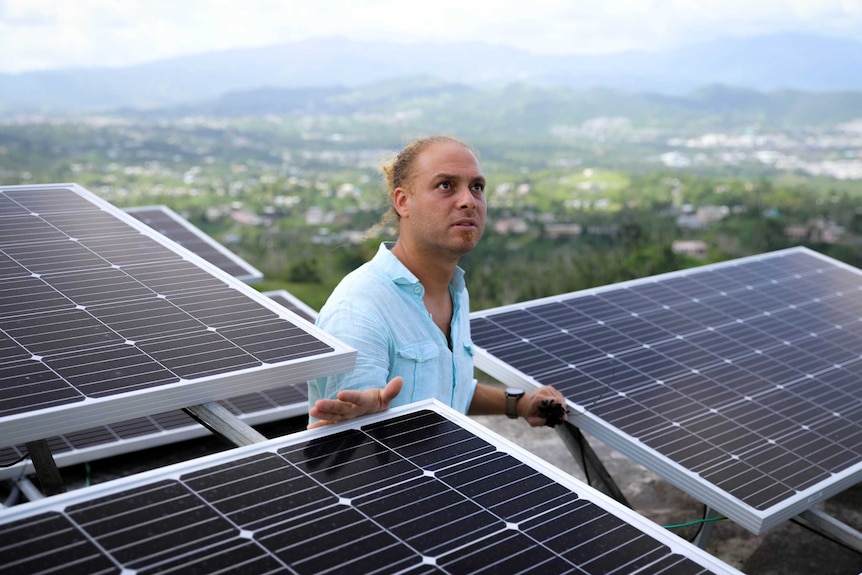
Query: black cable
552, 412
12, 499
17, 461
702, 523
580, 439
607, 388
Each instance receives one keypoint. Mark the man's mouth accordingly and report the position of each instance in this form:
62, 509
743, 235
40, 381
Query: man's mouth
466, 223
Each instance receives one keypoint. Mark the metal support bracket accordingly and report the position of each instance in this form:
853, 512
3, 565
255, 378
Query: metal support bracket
703, 535
224, 424
46, 468
591, 465
823, 523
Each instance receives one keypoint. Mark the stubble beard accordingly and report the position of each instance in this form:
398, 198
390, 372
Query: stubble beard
468, 241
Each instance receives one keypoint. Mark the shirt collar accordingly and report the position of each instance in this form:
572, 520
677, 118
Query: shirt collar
400, 275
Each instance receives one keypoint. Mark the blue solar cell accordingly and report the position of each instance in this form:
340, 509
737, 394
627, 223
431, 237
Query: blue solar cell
700, 365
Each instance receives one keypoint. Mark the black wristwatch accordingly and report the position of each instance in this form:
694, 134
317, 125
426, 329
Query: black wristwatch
513, 394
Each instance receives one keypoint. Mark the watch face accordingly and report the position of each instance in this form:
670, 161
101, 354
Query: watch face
514, 391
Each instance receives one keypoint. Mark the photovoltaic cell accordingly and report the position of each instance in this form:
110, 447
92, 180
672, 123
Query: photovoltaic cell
290, 400
104, 320
737, 382
293, 303
169, 223
420, 489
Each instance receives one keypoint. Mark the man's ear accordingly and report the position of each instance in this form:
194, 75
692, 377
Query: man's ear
399, 201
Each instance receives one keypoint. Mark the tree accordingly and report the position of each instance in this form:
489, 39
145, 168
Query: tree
304, 271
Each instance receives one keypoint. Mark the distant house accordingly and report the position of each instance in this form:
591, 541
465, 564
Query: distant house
608, 230
563, 230
505, 226
693, 248
826, 231
353, 236
700, 217
316, 216
245, 217
710, 214
798, 233
690, 221
675, 160
817, 230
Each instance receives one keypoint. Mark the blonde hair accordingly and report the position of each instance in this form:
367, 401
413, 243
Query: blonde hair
398, 172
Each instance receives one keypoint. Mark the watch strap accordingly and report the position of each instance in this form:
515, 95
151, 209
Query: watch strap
512, 397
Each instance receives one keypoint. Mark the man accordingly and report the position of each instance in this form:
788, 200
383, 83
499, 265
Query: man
406, 312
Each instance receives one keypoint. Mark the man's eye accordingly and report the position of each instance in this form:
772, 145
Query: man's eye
445, 185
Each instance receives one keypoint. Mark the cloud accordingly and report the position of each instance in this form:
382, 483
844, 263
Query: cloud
42, 34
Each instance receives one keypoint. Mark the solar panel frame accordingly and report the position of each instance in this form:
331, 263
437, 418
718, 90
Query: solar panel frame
292, 303
419, 488
169, 223
161, 429
174, 261
155, 430
638, 370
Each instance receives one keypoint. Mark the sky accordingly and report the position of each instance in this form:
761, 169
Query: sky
56, 34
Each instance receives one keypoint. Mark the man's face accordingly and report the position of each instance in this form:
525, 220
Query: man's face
445, 211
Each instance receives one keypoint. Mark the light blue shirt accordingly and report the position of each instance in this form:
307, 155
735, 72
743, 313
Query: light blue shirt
378, 310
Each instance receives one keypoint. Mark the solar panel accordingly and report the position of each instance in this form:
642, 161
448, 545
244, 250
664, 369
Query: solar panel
737, 382
293, 303
162, 428
169, 223
419, 489
104, 320
148, 431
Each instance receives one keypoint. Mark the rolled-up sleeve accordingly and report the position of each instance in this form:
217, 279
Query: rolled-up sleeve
367, 334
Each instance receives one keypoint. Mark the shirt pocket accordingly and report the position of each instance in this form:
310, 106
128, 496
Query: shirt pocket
415, 363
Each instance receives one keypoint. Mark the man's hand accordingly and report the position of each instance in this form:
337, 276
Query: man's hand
528, 406
353, 403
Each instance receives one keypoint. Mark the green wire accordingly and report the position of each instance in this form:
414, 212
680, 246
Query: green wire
699, 521
87, 477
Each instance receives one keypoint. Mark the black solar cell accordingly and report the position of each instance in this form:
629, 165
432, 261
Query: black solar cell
167, 222
292, 303
95, 306
418, 490
278, 403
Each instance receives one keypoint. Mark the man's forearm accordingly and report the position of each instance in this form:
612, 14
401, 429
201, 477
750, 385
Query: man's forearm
488, 400
542, 406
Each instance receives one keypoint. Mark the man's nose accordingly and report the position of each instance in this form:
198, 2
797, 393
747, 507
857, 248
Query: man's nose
466, 198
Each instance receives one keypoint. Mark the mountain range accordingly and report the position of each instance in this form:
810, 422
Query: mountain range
790, 61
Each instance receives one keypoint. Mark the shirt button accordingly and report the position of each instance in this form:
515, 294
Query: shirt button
417, 289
